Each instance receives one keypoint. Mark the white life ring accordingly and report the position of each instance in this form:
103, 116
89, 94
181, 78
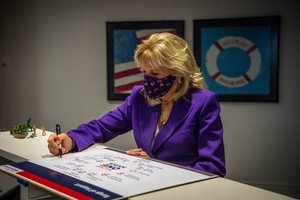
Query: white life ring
229, 42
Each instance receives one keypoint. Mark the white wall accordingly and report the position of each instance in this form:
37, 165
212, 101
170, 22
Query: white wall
56, 73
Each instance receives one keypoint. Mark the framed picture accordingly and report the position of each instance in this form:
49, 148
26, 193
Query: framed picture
239, 57
122, 39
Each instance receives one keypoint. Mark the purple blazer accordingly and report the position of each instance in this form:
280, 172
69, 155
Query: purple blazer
192, 136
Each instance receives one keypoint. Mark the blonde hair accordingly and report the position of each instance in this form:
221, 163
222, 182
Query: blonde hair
169, 51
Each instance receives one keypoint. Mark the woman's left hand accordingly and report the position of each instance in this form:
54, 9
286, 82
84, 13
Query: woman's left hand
138, 152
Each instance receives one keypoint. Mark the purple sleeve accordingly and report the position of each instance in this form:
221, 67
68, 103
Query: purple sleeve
101, 130
211, 146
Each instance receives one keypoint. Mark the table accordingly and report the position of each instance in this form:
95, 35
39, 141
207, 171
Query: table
18, 150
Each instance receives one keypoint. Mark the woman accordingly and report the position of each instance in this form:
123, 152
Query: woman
174, 117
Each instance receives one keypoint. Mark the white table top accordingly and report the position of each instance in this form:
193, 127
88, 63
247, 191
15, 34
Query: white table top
19, 150
213, 189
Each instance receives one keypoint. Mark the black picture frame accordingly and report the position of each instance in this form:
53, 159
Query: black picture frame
122, 38
239, 57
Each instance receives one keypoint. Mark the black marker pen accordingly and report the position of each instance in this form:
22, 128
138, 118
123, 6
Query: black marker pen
59, 145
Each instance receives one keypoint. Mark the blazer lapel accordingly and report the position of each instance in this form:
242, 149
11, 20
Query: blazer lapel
148, 124
179, 112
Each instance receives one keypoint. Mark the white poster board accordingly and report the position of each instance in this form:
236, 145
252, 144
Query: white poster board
102, 174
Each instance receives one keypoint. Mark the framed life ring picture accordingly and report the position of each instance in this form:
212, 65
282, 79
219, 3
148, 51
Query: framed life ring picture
239, 57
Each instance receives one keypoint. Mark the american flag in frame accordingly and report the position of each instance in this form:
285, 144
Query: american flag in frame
122, 39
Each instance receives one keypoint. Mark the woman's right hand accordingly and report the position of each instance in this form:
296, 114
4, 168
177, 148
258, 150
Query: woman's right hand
63, 139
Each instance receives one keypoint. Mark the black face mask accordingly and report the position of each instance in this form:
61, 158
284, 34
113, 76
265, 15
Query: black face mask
156, 88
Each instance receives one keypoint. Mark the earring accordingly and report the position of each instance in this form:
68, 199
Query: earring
179, 81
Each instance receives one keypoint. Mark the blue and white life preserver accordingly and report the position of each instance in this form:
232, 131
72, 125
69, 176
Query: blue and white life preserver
233, 42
